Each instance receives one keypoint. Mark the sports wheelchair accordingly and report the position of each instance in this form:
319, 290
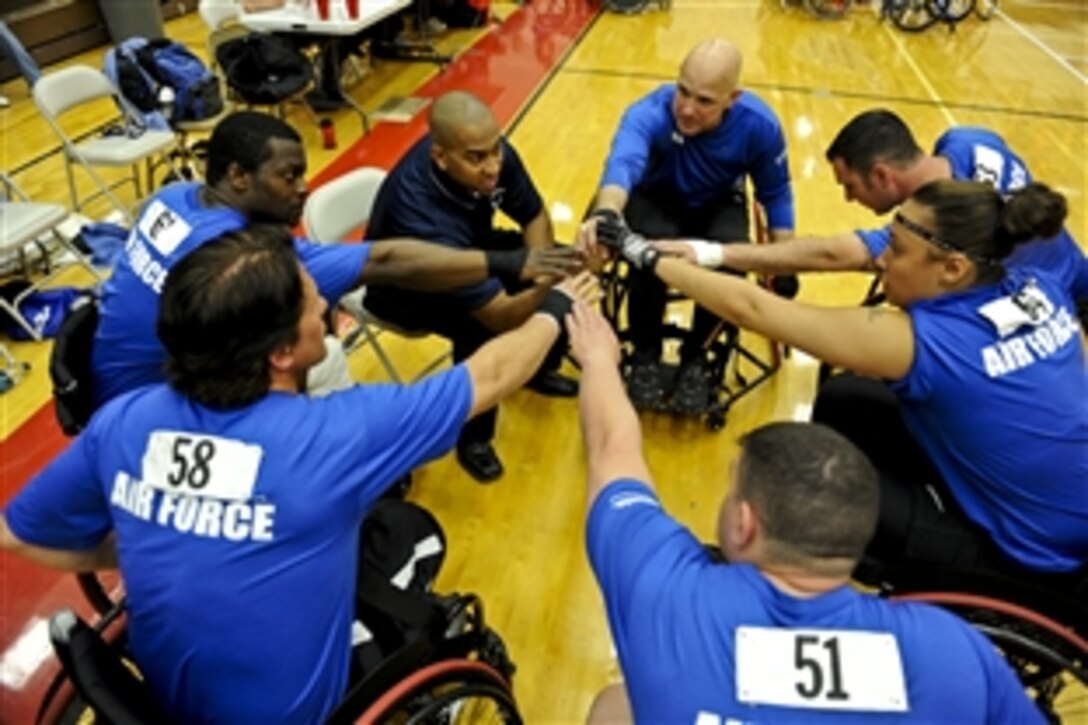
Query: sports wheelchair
1039, 624
462, 676
724, 348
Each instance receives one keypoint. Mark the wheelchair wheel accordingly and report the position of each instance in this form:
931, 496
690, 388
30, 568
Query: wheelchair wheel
446, 693
951, 11
828, 9
913, 16
1045, 655
626, 7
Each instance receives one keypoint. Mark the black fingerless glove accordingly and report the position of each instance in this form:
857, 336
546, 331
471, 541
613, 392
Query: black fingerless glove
556, 304
506, 264
611, 228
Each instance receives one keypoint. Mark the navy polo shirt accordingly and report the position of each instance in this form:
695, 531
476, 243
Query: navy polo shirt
417, 199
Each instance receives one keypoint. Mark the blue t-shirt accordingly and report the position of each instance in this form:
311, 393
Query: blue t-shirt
127, 353
237, 532
977, 154
996, 397
649, 153
417, 199
682, 625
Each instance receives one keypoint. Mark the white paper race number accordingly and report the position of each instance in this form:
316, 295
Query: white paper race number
201, 465
822, 669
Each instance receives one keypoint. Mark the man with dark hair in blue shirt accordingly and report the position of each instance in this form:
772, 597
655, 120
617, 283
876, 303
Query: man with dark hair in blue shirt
879, 164
677, 169
231, 501
775, 634
446, 190
256, 172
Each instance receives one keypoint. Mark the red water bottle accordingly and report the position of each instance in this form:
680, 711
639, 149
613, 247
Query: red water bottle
353, 9
328, 133
322, 9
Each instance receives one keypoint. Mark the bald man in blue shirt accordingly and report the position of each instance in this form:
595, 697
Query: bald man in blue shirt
677, 169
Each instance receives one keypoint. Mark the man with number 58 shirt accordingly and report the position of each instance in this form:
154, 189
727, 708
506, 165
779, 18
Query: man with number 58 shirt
775, 634
232, 501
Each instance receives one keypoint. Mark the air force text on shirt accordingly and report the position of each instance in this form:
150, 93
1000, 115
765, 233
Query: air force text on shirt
1039, 343
208, 517
160, 228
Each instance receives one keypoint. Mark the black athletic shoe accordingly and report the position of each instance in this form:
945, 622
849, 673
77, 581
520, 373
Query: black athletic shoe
479, 461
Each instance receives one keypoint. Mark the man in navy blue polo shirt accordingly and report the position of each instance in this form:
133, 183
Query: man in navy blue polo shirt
446, 190
676, 170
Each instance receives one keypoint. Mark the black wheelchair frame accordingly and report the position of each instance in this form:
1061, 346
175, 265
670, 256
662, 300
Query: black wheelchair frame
1041, 632
465, 676
723, 345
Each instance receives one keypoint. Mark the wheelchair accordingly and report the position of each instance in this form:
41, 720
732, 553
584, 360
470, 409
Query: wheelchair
1040, 624
464, 676
737, 367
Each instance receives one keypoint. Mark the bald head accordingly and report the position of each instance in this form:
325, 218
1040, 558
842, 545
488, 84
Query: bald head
457, 113
466, 141
708, 85
716, 62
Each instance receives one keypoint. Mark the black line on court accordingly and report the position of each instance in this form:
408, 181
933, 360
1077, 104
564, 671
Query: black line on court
527, 106
785, 88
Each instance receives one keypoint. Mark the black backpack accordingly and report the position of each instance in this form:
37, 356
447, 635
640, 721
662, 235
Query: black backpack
406, 625
264, 69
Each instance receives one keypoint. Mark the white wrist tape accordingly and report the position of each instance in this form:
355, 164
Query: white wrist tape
707, 254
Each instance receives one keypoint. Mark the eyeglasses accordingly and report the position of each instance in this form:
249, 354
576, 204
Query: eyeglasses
932, 238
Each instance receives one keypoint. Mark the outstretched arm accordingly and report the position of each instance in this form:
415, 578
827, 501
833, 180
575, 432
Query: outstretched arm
840, 253
429, 267
610, 426
505, 363
868, 340
103, 556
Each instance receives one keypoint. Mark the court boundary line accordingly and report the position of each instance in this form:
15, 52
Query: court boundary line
813, 90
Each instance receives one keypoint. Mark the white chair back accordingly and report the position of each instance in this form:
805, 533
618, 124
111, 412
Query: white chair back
343, 204
59, 90
216, 12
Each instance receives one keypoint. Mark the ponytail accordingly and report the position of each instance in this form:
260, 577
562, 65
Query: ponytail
1033, 212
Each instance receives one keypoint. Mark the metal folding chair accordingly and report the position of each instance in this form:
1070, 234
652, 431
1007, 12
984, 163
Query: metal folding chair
61, 91
24, 223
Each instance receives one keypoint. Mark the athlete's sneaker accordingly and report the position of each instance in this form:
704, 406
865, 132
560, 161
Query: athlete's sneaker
693, 387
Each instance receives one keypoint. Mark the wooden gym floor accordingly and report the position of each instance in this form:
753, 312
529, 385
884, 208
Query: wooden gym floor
560, 76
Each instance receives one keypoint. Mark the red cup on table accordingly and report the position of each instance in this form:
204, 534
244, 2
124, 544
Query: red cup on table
322, 9
353, 8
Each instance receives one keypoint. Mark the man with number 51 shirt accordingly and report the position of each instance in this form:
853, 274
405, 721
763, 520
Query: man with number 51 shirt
775, 633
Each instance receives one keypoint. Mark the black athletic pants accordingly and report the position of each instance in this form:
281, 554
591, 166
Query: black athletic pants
724, 220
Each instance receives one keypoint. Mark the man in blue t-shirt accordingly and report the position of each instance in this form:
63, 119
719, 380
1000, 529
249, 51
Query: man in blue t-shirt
878, 163
256, 172
775, 634
446, 190
677, 169
231, 501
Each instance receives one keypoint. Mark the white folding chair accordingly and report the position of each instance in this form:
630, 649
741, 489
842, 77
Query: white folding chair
216, 12
63, 90
22, 223
332, 212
